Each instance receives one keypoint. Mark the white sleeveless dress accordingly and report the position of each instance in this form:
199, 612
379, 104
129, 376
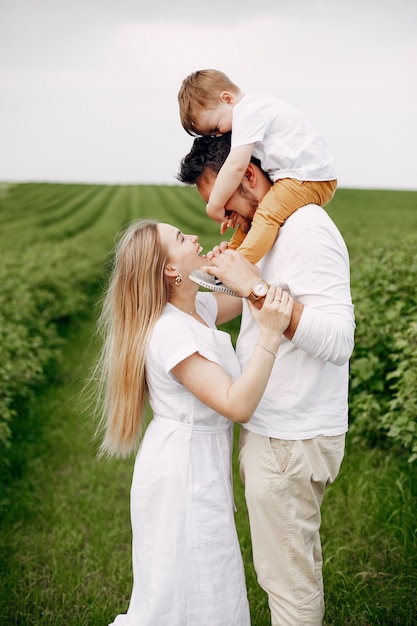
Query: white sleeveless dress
187, 564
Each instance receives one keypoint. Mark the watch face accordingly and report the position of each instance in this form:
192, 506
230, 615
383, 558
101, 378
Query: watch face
260, 289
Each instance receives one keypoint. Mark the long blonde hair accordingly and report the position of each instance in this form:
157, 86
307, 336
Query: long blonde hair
134, 301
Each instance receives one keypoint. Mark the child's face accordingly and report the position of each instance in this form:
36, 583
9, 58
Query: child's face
215, 121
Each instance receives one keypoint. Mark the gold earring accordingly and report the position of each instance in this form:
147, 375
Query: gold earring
178, 279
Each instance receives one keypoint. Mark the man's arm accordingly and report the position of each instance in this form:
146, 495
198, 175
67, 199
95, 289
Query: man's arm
325, 328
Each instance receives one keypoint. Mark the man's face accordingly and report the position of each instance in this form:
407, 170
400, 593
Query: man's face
243, 201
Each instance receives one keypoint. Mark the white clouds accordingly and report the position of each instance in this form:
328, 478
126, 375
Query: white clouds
88, 90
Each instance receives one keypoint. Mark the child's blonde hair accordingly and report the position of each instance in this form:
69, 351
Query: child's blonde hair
201, 90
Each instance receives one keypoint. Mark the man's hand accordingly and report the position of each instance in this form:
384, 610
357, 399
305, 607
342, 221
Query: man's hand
232, 269
237, 273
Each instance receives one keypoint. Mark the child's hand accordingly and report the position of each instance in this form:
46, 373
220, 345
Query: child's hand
217, 250
228, 222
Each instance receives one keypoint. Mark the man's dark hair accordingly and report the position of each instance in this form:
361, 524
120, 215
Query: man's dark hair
207, 153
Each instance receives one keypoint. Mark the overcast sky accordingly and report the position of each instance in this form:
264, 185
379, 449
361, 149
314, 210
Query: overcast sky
88, 88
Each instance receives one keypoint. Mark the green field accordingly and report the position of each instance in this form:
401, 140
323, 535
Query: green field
65, 533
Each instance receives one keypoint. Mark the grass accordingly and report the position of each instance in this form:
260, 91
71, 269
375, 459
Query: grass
66, 529
370, 541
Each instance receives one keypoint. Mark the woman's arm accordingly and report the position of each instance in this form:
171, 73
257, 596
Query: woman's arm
211, 384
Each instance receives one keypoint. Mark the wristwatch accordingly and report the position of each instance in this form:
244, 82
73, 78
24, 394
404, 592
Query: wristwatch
258, 293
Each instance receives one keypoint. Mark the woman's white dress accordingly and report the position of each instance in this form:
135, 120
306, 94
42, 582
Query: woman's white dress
187, 564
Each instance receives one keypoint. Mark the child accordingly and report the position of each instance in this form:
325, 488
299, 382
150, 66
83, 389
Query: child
291, 152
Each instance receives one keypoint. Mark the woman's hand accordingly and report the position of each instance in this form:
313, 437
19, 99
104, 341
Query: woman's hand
275, 314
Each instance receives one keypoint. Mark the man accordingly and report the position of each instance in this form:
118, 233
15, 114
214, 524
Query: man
294, 444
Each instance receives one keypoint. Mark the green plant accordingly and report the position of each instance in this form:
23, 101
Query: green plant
384, 363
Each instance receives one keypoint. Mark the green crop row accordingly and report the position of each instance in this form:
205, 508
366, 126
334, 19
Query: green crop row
383, 399
48, 274
380, 228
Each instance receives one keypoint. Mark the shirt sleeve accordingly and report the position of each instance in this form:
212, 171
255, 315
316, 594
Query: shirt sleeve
176, 337
326, 328
250, 124
326, 336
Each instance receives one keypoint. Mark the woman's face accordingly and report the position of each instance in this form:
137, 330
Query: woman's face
182, 250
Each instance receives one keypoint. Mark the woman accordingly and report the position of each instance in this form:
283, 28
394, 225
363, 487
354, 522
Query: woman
161, 343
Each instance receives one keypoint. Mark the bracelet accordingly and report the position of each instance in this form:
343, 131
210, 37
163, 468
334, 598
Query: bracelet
274, 354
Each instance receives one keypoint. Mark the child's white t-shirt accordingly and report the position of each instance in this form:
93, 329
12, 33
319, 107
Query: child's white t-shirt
285, 142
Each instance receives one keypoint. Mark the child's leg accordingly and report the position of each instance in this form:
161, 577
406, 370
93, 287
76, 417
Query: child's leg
317, 192
282, 200
237, 239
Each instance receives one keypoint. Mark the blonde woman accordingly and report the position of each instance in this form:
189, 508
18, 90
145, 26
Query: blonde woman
162, 345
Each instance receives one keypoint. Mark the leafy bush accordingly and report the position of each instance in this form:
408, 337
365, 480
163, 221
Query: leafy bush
383, 400
49, 273
26, 346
